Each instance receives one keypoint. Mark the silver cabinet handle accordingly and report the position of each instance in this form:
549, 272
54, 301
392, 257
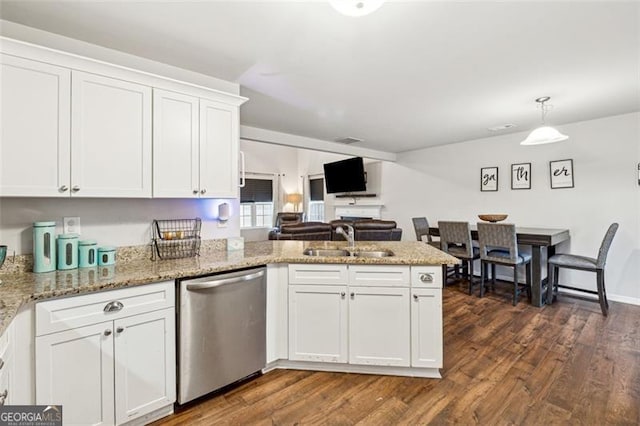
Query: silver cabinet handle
426, 278
75, 188
119, 329
203, 191
217, 283
114, 306
415, 297
64, 188
195, 192
3, 396
107, 332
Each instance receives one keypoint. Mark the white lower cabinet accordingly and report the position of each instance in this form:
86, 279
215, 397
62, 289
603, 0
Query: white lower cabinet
392, 315
6, 367
379, 324
426, 328
74, 369
144, 358
112, 371
318, 323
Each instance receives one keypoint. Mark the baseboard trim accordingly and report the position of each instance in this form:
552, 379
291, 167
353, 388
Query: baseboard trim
430, 373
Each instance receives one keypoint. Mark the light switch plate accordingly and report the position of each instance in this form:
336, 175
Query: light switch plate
71, 225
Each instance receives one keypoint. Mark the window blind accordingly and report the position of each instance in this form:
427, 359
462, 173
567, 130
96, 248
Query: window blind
316, 189
257, 191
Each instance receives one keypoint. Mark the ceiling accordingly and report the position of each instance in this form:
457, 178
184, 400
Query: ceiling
411, 75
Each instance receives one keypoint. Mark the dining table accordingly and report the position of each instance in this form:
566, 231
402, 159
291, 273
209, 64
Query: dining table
537, 238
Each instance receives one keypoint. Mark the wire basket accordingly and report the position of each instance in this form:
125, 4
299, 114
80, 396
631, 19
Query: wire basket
176, 238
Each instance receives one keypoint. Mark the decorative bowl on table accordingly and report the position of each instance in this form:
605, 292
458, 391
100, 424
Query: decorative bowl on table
493, 218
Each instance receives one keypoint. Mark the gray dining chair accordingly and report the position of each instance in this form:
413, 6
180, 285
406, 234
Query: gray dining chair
582, 263
455, 239
499, 246
421, 226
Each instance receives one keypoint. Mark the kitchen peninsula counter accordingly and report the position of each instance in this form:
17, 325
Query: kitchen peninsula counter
20, 288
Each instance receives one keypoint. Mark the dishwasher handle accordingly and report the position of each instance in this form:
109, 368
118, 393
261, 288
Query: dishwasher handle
218, 283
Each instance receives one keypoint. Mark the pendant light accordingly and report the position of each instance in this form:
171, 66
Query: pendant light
356, 7
544, 134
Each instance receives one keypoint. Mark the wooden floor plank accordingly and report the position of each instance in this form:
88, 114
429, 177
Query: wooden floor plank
561, 364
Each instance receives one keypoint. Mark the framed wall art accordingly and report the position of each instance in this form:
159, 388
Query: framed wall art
489, 179
521, 176
561, 173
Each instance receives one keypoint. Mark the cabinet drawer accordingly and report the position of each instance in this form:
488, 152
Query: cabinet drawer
317, 274
426, 276
379, 275
63, 314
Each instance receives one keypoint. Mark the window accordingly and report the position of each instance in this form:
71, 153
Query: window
256, 203
316, 200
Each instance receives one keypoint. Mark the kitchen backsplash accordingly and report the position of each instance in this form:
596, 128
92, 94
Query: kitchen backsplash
24, 262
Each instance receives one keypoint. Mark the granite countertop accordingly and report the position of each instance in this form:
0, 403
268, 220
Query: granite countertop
19, 288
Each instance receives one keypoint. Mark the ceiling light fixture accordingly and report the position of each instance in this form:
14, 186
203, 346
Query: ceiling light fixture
544, 134
356, 7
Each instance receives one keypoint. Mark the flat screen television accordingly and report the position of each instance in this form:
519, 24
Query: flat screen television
345, 176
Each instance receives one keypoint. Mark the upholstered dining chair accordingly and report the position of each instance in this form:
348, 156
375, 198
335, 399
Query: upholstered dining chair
421, 226
455, 239
582, 263
499, 246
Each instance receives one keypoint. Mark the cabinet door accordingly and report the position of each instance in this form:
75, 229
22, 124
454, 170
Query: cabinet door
426, 328
379, 322
75, 368
144, 364
218, 149
35, 128
7, 384
110, 137
175, 145
318, 323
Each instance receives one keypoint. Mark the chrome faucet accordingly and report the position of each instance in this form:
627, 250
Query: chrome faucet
350, 236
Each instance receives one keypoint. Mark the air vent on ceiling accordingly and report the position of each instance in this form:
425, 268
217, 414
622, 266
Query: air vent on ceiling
502, 127
348, 140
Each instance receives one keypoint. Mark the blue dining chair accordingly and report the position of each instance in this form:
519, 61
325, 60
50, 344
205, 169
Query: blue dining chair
582, 263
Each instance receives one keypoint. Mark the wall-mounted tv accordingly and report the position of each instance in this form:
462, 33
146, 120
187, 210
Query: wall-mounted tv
345, 176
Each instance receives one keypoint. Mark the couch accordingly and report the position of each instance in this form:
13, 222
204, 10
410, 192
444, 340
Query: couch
302, 231
364, 230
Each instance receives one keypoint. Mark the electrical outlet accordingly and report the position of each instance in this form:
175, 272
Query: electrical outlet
71, 225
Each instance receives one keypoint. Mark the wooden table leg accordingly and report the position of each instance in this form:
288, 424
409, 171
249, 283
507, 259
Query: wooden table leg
536, 277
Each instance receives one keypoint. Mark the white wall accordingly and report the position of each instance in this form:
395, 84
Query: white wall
118, 222
443, 183
268, 159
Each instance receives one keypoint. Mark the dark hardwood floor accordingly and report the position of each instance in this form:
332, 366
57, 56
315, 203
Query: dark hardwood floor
561, 364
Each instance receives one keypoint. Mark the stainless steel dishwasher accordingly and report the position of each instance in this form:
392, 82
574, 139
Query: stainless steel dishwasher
222, 330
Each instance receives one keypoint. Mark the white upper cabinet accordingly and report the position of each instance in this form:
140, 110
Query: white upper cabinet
176, 169
35, 128
195, 147
75, 127
219, 139
110, 137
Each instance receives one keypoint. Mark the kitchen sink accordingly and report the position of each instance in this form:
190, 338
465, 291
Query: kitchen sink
373, 253
326, 252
